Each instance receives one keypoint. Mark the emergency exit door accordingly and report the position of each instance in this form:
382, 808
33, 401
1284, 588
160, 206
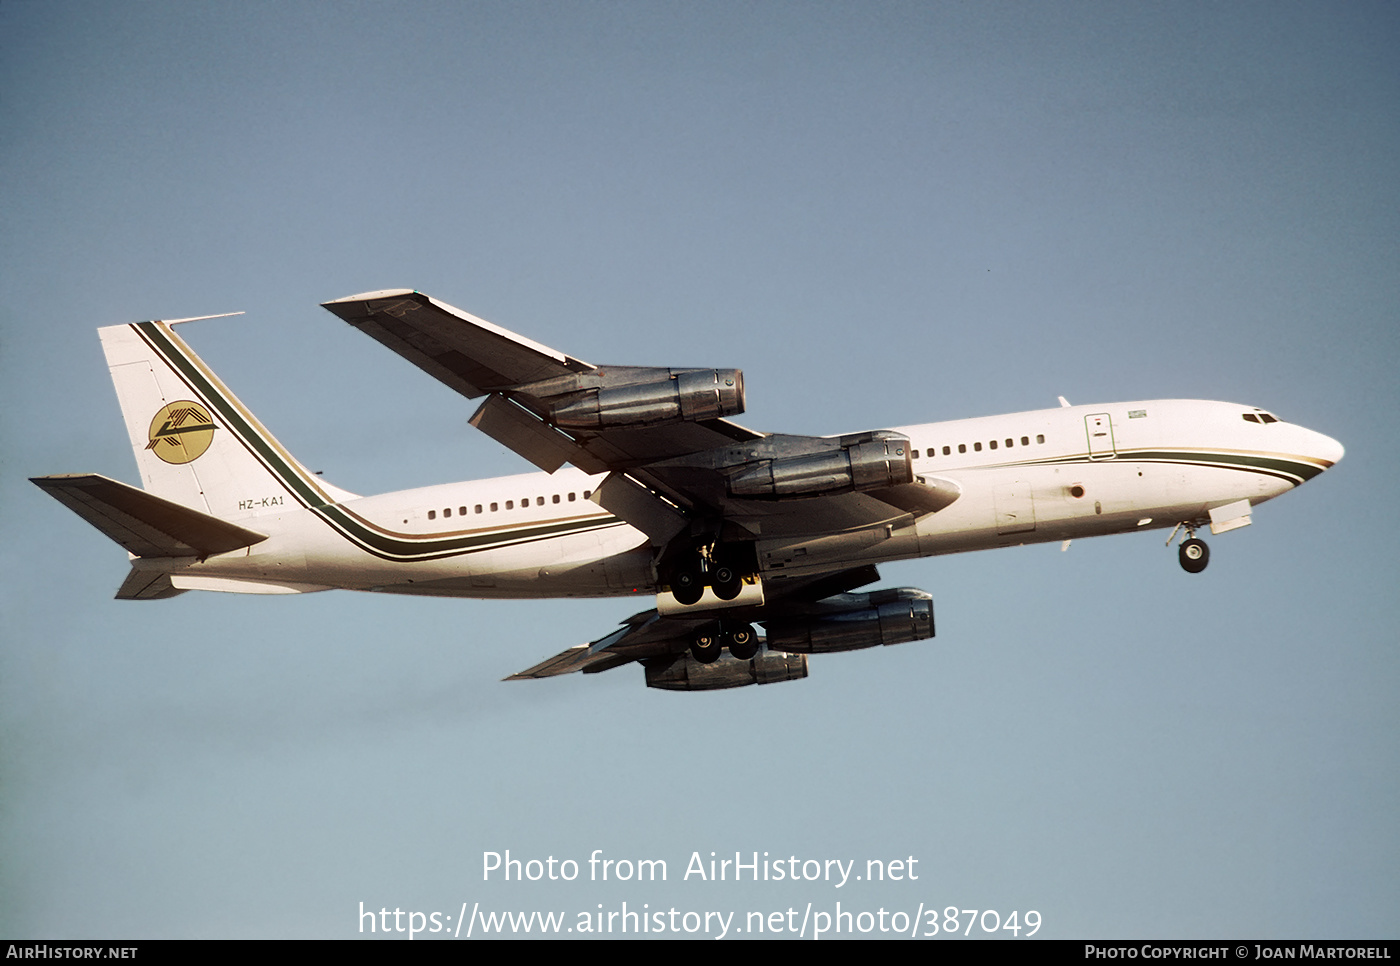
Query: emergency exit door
1099, 428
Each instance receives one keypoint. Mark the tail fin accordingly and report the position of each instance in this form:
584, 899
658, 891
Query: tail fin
195, 443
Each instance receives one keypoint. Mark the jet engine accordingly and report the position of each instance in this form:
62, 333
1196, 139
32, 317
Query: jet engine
765, 667
854, 621
868, 465
688, 395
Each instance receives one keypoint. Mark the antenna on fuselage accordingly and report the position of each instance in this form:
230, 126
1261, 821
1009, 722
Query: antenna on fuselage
201, 318
1064, 403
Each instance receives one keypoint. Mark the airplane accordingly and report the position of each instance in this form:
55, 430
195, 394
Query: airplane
663, 495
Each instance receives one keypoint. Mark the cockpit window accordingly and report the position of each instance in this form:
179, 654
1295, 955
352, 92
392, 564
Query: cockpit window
1259, 416
1250, 417
1266, 418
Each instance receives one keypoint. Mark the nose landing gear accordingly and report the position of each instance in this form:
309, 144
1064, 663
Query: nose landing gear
1193, 554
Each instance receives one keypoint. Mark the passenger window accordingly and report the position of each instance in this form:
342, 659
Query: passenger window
1025, 441
432, 514
1040, 438
1010, 443
556, 498
947, 451
539, 501
587, 494
977, 447
447, 511
478, 508
510, 504
494, 507
571, 498
993, 444
962, 447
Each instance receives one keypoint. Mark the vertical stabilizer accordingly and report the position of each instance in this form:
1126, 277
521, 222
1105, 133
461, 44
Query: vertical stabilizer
195, 443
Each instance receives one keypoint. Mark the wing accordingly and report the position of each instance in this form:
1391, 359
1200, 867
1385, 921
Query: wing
658, 642
675, 464
532, 388
745, 526
469, 354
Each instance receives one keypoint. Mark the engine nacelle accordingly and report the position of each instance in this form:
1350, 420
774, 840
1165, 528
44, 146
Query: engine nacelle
869, 465
765, 667
863, 620
688, 396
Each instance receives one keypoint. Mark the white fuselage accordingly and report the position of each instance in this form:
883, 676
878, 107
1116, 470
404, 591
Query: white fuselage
1029, 477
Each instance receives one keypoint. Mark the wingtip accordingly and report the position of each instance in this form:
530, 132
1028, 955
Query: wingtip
366, 296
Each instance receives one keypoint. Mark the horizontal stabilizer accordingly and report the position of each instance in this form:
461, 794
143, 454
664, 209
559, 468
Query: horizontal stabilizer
145, 524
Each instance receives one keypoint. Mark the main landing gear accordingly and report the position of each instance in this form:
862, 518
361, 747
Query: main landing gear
721, 567
1193, 554
711, 641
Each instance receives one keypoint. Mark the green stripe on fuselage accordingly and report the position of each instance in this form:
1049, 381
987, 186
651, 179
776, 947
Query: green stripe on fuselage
178, 359
1293, 470
1290, 469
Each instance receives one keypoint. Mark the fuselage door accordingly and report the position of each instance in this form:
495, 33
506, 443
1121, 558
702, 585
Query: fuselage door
1099, 428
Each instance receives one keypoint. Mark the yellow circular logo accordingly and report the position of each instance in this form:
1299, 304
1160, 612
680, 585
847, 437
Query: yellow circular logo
181, 432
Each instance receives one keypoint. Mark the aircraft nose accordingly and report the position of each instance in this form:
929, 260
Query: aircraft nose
1327, 449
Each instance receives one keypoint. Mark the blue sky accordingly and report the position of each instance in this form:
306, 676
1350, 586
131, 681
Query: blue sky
885, 215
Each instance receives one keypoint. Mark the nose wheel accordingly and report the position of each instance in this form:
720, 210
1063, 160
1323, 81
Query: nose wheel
1193, 553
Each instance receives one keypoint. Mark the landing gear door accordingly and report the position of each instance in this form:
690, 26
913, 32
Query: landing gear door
1099, 428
